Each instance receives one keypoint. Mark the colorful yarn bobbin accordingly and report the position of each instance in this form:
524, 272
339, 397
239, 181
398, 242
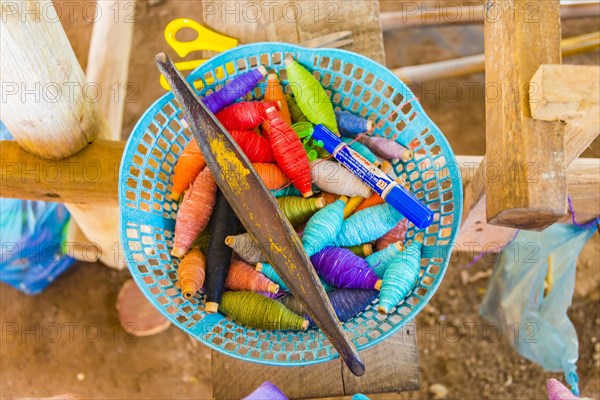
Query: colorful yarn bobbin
396, 234
223, 223
289, 190
386, 148
267, 270
333, 177
191, 273
323, 227
295, 111
353, 202
343, 269
271, 175
289, 153
242, 277
380, 260
370, 201
260, 312
245, 115
274, 93
189, 164
266, 391
351, 125
238, 87
256, 147
194, 212
310, 96
362, 250
201, 242
347, 303
245, 247
400, 277
363, 151
329, 197
368, 225
299, 210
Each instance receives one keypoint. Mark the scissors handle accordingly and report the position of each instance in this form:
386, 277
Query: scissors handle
206, 39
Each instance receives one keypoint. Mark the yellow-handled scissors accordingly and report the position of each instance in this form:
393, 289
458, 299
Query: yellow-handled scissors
206, 40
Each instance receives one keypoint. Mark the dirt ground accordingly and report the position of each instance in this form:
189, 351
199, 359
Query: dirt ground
68, 338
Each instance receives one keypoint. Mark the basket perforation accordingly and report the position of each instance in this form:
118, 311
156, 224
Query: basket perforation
355, 84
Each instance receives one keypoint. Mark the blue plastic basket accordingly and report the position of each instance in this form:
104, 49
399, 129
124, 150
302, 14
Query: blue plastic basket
356, 84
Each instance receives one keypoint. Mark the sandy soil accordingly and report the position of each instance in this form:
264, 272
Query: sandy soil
68, 338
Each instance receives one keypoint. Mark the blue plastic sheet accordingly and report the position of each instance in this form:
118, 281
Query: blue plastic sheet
32, 232
516, 302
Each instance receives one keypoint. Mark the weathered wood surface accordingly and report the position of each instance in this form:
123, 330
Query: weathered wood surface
529, 187
569, 93
392, 366
88, 177
49, 107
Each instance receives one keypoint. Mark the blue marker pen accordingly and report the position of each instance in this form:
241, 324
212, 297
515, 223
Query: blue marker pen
394, 194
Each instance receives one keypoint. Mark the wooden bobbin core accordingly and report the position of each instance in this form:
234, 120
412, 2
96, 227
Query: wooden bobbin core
378, 285
407, 155
258, 266
399, 245
230, 241
273, 287
211, 307
370, 125
262, 70
307, 194
177, 252
367, 249
320, 202
344, 199
386, 166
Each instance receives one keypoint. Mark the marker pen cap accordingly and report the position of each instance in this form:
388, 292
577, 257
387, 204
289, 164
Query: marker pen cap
405, 202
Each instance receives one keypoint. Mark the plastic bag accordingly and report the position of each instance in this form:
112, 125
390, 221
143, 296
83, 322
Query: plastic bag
32, 232
516, 302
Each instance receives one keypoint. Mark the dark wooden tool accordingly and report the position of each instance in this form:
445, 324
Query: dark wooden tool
259, 213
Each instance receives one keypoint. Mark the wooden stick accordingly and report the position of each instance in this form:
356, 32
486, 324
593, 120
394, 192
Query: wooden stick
49, 108
474, 64
411, 16
108, 63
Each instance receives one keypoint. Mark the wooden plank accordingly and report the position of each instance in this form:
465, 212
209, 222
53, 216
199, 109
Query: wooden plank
569, 93
528, 189
392, 366
583, 180
88, 177
52, 112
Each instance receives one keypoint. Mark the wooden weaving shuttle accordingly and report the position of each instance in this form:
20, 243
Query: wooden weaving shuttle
259, 213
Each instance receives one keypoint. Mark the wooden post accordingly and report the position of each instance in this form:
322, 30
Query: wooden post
526, 168
108, 64
47, 104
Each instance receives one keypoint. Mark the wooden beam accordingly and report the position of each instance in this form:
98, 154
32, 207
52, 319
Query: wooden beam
88, 177
462, 66
411, 16
569, 93
392, 366
47, 104
526, 184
